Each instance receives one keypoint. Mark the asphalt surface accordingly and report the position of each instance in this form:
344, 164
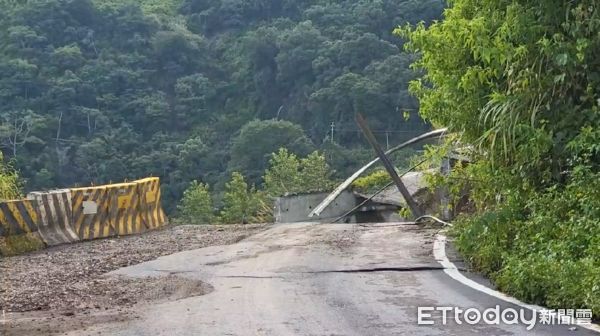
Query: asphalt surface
307, 279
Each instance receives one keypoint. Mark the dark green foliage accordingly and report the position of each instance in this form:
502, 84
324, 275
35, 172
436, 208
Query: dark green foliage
541, 246
252, 148
107, 90
520, 82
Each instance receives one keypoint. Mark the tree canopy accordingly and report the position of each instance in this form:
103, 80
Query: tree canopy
100, 91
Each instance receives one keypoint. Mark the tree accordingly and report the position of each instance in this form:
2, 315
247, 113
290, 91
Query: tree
282, 177
238, 203
345, 96
299, 47
288, 175
315, 173
514, 91
251, 149
194, 92
105, 90
16, 127
196, 206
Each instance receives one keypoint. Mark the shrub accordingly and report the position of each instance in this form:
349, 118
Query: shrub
10, 182
543, 247
289, 175
519, 82
315, 173
196, 206
15, 245
242, 205
372, 182
282, 175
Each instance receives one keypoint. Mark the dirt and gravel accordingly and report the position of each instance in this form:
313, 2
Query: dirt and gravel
69, 279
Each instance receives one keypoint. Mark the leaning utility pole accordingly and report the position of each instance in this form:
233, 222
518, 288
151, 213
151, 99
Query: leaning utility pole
344, 185
414, 208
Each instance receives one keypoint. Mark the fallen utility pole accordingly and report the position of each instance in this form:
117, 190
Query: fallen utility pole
344, 185
375, 194
412, 205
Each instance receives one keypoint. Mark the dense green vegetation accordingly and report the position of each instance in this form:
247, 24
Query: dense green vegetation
520, 82
93, 91
373, 182
239, 201
10, 182
196, 206
286, 174
10, 189
100, 91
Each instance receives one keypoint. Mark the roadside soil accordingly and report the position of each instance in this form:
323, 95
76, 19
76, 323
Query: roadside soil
69, 280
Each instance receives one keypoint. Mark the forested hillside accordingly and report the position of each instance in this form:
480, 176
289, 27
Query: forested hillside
518, 82
99, 91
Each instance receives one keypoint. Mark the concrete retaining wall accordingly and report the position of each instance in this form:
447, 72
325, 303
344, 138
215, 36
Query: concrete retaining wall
295, 208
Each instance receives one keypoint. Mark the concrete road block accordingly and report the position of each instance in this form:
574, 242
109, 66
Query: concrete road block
54, 216
151, 210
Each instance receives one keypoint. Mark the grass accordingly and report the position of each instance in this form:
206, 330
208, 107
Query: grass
15, 245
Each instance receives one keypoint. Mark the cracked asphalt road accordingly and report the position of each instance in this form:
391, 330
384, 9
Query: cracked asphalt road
307, 279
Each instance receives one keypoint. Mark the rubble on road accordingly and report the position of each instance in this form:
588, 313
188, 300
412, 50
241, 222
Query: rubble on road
69, 279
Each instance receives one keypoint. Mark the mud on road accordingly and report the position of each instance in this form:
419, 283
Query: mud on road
69, 280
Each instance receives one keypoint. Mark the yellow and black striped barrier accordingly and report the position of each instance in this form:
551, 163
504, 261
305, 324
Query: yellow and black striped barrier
70, 215
54, 216
91, 218
18, 217
124, 206
117, 209
150, 206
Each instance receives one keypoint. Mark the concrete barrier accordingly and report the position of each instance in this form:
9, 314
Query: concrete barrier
117, 209
296, 208
54, 212
125, 209
18, 217
18, 227
70, 215
91, 213
151, 210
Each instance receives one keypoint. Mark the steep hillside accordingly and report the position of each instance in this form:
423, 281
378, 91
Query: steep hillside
99, 91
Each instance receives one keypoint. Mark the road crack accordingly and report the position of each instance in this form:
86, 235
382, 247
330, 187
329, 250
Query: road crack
383, 269
251, 277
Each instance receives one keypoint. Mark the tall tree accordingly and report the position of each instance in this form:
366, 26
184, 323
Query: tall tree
239, 203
